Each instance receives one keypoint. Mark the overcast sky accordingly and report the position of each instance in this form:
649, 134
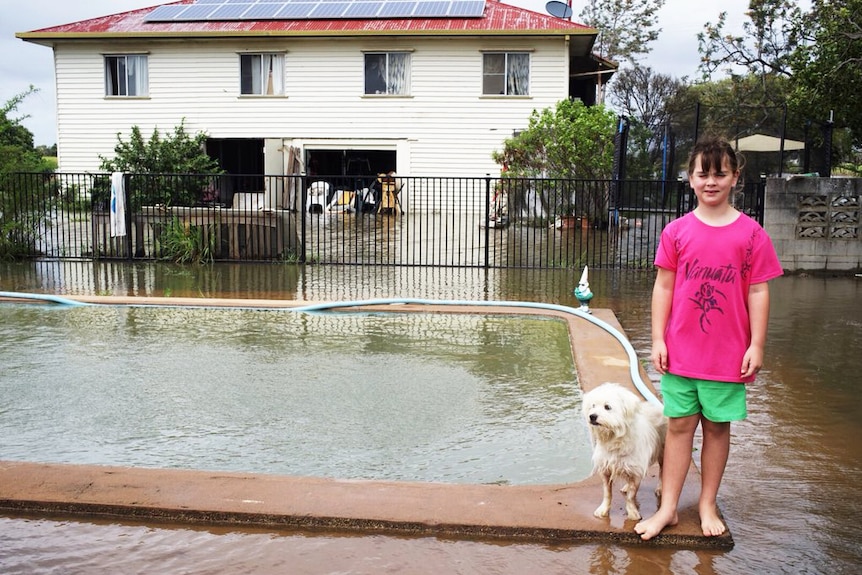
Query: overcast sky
23, 63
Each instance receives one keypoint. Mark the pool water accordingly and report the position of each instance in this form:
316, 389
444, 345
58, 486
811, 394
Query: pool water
448, 397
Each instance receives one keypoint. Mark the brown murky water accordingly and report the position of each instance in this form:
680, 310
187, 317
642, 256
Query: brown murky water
792, 493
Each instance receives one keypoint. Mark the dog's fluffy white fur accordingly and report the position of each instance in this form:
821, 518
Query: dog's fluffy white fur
628, 437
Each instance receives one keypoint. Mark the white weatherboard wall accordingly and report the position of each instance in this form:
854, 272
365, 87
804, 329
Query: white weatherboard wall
446, 126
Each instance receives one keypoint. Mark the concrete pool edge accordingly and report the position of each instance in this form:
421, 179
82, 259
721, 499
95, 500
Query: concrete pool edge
545, 513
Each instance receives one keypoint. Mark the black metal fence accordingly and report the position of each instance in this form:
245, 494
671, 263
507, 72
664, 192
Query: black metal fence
388, 220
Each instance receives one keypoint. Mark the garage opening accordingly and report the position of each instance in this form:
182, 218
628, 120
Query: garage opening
342, 168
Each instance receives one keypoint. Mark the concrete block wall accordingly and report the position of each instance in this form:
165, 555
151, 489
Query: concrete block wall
815, 222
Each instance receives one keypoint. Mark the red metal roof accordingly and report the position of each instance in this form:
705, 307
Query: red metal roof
499, 18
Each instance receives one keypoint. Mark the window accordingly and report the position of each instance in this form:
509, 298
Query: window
126, 76
387, 73
261, 74
506, 73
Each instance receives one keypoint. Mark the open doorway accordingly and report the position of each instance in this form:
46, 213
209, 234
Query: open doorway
243, 160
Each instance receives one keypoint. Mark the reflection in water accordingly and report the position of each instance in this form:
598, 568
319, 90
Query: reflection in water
792, 493
411, 397
798, 455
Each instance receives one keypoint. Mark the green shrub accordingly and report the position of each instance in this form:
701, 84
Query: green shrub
158, 162
183, 243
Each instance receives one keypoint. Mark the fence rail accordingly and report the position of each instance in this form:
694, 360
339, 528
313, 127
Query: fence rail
387, 220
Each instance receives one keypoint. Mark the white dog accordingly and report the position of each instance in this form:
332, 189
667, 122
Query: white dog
628, 437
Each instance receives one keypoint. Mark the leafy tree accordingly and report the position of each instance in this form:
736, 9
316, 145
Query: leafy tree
813, 57
178, 153
571, 140
757, 63
16, 141
827, 67
24, 215
626, 27
734, 108
168, 169
737, 106
43, 150
568, 142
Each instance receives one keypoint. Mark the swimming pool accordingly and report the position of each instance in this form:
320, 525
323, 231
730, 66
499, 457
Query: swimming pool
449, 397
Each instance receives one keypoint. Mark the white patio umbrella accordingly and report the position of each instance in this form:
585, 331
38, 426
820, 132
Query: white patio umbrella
764, 143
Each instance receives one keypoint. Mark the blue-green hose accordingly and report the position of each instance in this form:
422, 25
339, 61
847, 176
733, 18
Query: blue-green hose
634, 366
42, 297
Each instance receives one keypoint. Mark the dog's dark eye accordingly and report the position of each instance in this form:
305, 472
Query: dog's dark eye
607, 407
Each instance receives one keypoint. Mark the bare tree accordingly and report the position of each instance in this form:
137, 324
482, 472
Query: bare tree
769, 38
647, 99
643, 94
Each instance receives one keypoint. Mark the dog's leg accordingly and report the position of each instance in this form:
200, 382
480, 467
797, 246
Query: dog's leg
607, 490
632, 484
658, 485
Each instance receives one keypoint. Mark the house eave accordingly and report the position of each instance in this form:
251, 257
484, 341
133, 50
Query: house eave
580, 42
48, 38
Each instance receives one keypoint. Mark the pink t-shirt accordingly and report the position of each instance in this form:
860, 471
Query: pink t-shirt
708, 329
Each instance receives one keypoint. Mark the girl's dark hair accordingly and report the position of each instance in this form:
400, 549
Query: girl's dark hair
712, 151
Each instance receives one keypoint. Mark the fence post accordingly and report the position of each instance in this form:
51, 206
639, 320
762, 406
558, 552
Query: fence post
487, 222
681, 197
761, 200
128, 215
303, 207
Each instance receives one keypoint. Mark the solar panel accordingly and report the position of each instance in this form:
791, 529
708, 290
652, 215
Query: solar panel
196, 12
465, 8
326, 10
397, 9
432, 9
229, 12
362, 10
239, 10
264, 11
295, 11
164, 13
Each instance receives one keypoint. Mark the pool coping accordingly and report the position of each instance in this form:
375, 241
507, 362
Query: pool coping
530, 513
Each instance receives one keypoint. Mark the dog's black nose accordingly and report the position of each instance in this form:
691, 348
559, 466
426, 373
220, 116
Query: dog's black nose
593, 417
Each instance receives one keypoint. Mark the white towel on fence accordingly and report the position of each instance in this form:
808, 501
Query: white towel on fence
118, 205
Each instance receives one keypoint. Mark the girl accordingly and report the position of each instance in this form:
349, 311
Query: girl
710, 306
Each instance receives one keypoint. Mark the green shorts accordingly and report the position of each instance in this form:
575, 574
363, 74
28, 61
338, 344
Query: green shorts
718, 401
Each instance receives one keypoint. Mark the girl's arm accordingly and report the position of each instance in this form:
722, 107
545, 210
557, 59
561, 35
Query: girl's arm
662, 297
758, 318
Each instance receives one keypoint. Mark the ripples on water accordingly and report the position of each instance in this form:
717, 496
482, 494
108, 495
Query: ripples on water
792, 493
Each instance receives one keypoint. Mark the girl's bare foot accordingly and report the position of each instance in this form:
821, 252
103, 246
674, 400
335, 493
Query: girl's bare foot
710, 522
651, 527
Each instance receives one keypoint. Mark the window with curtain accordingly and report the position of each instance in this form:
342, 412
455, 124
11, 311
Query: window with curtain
387, 73
261, 74
506, 73
126, 76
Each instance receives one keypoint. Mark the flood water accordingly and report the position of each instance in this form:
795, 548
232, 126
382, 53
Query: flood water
378, 396
792, 493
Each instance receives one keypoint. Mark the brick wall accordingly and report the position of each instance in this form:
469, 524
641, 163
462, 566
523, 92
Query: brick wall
815, 222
